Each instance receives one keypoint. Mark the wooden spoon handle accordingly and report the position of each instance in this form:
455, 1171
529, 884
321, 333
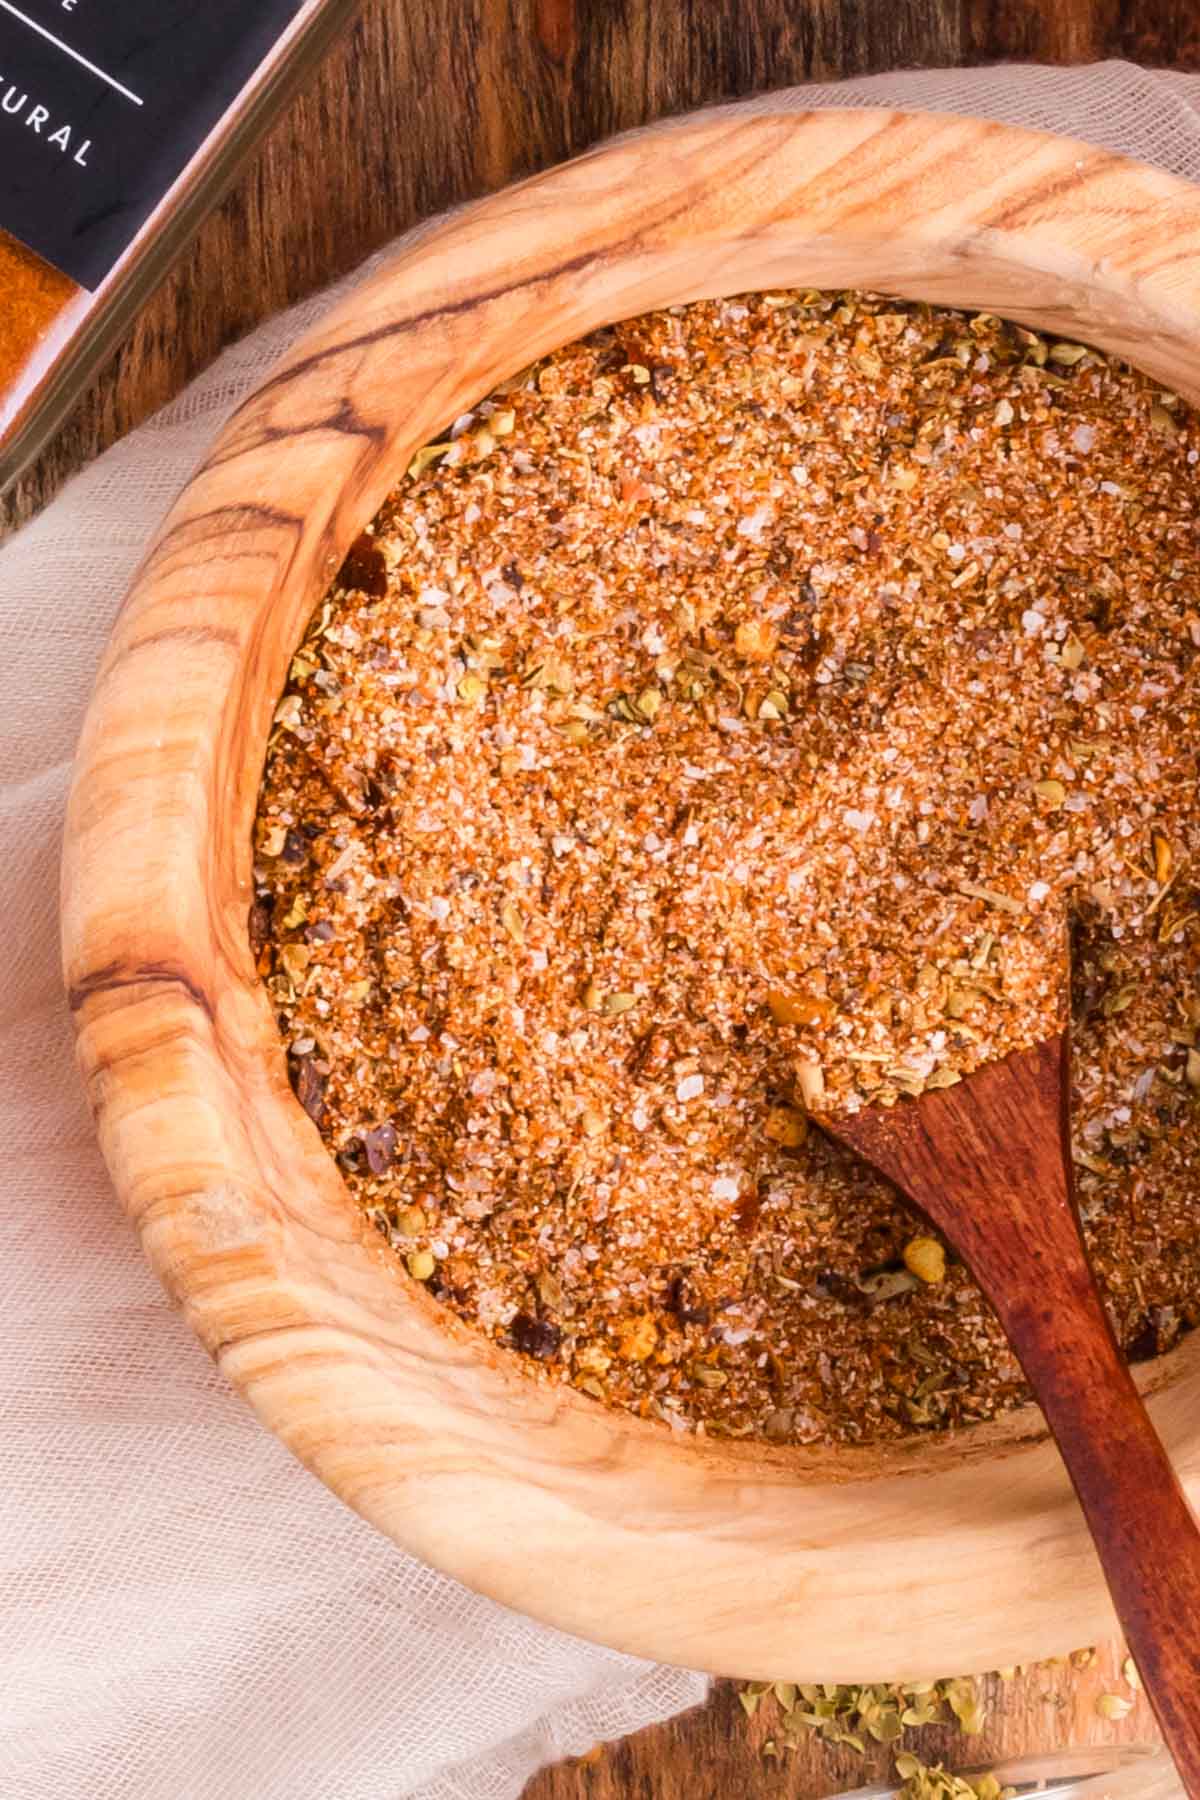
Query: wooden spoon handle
989, 1163
1139, 1517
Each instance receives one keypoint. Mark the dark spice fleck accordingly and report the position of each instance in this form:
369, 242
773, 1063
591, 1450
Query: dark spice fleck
309, 1085
380, 1146
365, 568
535, 1337
260, 925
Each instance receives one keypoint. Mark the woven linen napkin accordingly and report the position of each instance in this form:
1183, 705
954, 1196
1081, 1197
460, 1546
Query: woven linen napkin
185, 1612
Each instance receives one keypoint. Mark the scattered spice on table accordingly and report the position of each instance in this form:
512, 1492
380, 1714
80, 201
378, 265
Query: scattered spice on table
876, 1712
726, 717
896, 1716
933, 1781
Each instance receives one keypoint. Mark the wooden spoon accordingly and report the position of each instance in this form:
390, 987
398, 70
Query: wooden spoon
988, 1161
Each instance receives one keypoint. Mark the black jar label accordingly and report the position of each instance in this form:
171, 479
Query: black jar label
103, 103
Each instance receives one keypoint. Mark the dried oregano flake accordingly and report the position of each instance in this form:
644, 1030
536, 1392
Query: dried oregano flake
878, 1713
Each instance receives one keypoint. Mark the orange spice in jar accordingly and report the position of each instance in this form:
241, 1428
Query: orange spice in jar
118, 130
35, 298
37, 312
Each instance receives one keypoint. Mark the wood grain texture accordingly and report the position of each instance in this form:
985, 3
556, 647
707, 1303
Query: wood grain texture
429, 102
989, 1163
716, 1753
770, 1562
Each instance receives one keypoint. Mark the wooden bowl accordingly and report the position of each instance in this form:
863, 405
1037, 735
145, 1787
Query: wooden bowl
941, 1554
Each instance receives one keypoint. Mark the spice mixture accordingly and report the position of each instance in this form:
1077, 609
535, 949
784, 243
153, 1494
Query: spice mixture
729, 718
33, 296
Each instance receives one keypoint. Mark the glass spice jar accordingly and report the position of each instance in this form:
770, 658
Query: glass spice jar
121, 121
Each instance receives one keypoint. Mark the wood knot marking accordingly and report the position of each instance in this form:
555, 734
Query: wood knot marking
114, 978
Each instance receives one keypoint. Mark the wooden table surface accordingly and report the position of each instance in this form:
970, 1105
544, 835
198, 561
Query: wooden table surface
716, 1753
428, 102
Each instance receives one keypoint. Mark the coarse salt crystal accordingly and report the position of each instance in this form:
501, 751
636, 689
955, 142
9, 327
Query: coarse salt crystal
1038, 891
754, 523
1083, 437
689, 1087
1032, 622
725, 1187
858, 820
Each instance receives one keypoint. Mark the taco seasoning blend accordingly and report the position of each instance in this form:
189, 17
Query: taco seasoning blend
728, 714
